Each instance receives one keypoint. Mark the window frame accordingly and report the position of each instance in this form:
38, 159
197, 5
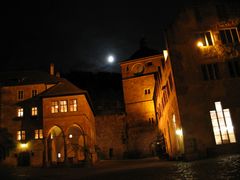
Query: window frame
20, 95
20, 112
34, 111
54, 107
38, 134
21, 135
73, 105
205, 37
34, 92
226, 39
222, 125
63, 106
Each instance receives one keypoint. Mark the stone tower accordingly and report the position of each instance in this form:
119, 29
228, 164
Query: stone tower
139, 81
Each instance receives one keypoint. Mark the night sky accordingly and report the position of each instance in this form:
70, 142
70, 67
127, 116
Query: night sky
79, 35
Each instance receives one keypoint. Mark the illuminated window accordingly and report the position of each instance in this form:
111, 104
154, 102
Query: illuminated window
34, 92
20, 95
63, 106
20, 112
73, 105
222, 125
229, 36
205, 38
34, 111
21, 135
38, 134
54, 107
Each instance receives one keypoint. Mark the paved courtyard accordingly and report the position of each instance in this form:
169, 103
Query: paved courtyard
222, 167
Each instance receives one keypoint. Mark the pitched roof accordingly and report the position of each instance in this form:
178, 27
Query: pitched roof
26, 77
143, 51
66, 88
63, 88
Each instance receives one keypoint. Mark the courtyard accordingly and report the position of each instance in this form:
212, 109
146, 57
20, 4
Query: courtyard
221, 167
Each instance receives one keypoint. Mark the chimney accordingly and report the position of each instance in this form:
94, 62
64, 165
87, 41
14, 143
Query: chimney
52, 69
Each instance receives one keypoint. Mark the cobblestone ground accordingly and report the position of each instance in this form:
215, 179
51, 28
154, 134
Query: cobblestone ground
223, 167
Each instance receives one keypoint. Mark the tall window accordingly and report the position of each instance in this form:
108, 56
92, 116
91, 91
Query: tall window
34, 111
229, 36
222, 125
34, 92
234, 68
19, 112
210, 71
73, 105
38, 134
21, 135
20, 95
63, 106
54, 107
205, 38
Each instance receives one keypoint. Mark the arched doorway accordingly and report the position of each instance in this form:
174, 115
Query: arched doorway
76, 144
55, 146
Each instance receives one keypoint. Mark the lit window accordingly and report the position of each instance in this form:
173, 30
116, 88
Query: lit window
21, 135
54, 107
38, 134
20, 95
229, 36
34, 92
204, 38
34, 111
73, 105
222, 125
63, 106
19, 112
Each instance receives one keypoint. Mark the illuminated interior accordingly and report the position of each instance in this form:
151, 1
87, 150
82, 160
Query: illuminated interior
222, 125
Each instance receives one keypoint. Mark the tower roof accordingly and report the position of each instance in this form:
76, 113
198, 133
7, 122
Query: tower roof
144, 50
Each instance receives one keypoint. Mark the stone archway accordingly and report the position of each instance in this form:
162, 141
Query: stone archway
76, 144
56, 145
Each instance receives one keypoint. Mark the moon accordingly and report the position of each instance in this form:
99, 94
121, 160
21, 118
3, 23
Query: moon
110, 59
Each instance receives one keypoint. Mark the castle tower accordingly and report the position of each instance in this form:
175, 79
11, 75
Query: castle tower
139, 80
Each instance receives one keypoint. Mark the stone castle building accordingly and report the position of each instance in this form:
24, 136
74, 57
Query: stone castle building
51, 120
182, 103
185, 100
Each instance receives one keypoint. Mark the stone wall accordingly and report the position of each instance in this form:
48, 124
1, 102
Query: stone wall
110, 131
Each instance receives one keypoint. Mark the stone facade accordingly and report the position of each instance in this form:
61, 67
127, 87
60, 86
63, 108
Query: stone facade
203, 46
111, 136
138, 78
51, 120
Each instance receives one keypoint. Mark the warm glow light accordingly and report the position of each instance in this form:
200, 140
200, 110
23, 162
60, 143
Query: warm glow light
23, 145
200, 44
110, 59
70, 136
59, 155
165, 54
179, 132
